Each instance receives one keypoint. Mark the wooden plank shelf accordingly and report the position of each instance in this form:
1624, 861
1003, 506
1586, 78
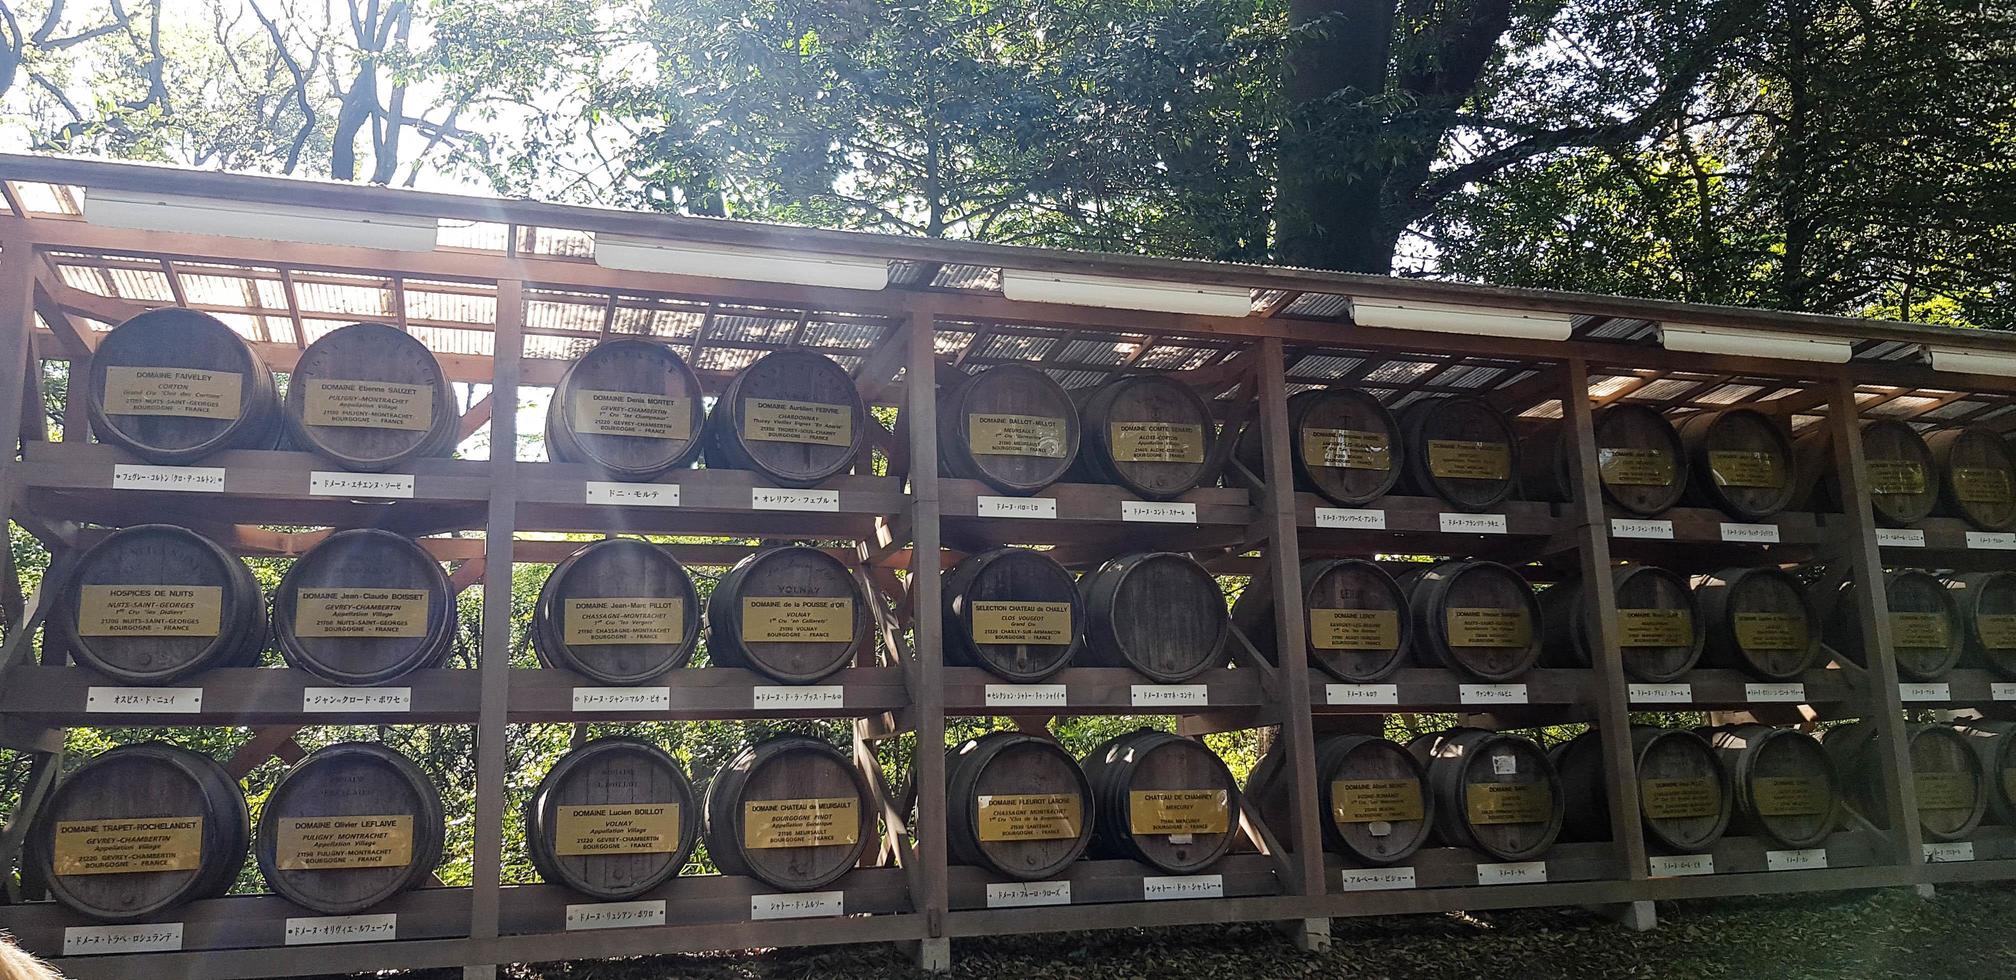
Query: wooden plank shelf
1989, 854
1943, 542
1711, 689
1460, 867
1959, 688
232, 922
971, 691
705, 693
1422, 525
1704, 539
1092, 518
55, 695
573, 497
701, 900
1442, 689
1115, 881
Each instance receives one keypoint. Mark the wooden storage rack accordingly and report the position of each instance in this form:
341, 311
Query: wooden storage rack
515, 278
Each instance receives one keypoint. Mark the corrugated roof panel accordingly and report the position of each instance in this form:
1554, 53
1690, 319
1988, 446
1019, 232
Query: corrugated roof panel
1549, 409
1400, 372
953, 276
844, 334
555, 348
209, 290
1604, 387
37, 197
752, 329
725, 358
565, 242
313, 330
1954, 409
146, 285
1077, 379
1903, 406
676, 324
279, 329
272, 293
1318, 305
489, 236
450, 307
448, 340
950, 342
1621, 330
1263, 298
1727, 394
351, 298
565, 311
1102, 351
1171, 357
903, 272
88, 278
243, 325
1017, 347
1665, 389
1325, 366
847, 362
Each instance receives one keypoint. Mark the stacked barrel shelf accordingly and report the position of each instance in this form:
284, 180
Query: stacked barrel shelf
1578, 620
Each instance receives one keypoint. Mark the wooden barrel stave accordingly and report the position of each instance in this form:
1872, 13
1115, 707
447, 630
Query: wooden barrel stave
749, 805
1160, 613
1987, 605
1659, 628
1494, 792
1952, 788
1460, 449
151, 783
1903, 474
1641, 465
222, 398
582, 621
1495, 616
122, 646
1161, 799
612, 819
350, 780
336, 635
999, 603
1926, 632
1358, 627
1786, 789
1685, 798
370, 397
1371, 796
1016, 804
1149, 434
796, 582
1011, 427
1346, 447
1997, 752
1740, 462
1760, 621
794, 417
1976, 474
590, 420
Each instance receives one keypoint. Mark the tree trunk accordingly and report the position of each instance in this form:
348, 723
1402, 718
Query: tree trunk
1326, 214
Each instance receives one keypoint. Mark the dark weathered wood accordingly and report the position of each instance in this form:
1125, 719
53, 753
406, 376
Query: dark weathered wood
658, 428
1012, 611
1976, 475
815, 619
395, 850
188, 387
1011, 427
378, 606
1760, 621
146, 791
612, 819
370, 397
1925, 625
1659, 629
1947, 772
1017, 804
1786, 789
1358, 626
1641, 466
1346, 446
1149, 434
1987, 605
1372, 795
1685, 797
1161, 799
1160, 613
793, 416
1741, 462
1493, 791
104, 625
1903, 473
578, 624
791, 811
1478, 617
1460, 449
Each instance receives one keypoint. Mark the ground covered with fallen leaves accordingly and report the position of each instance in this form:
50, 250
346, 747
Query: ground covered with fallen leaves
1961, 934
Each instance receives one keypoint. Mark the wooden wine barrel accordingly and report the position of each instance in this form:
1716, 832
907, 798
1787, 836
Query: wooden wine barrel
794, 614
1460, 449
1997, 752
139, 830
1786, 789
790, 811
1760, 621
1493, 792
628, 407
1011, 427
1987, 605
1150, 434
1346, 446
794, 417
612, 819
1976, 476
364, 607
1740, 462
348, 827
1925, 627
1358, 628
1013, 612
1158, 612
1641, 465
154, 603
1685, 798
621, 611
1658, 627
370, 397
1903, 476
1161, 799
174, 385
1952, 788
1016, 804
1478, 617
1371, 793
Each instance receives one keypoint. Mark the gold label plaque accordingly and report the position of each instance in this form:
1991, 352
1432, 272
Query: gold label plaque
1745, 468
149, 610
1655, 628
1944, 790
1888, 476
814, 423
104, 847
1919, 631
784, 619
1372, 800
324, 843
1679, 799
1979, 485
632, 413
614, 620
1475, 627
1347, 449
1157, 442
1178, 811
180, 392
1035, 623
1624, 466
1790, 796
770, 824
1015, 435
1033, 816
1354, 629
1503, 803
1998, 630
1770, 631
375, 613
640, 828
369, 405
1455, 459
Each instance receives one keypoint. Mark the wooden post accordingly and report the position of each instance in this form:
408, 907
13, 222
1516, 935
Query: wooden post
927, 696
495, 662
17, 324
1872, 606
